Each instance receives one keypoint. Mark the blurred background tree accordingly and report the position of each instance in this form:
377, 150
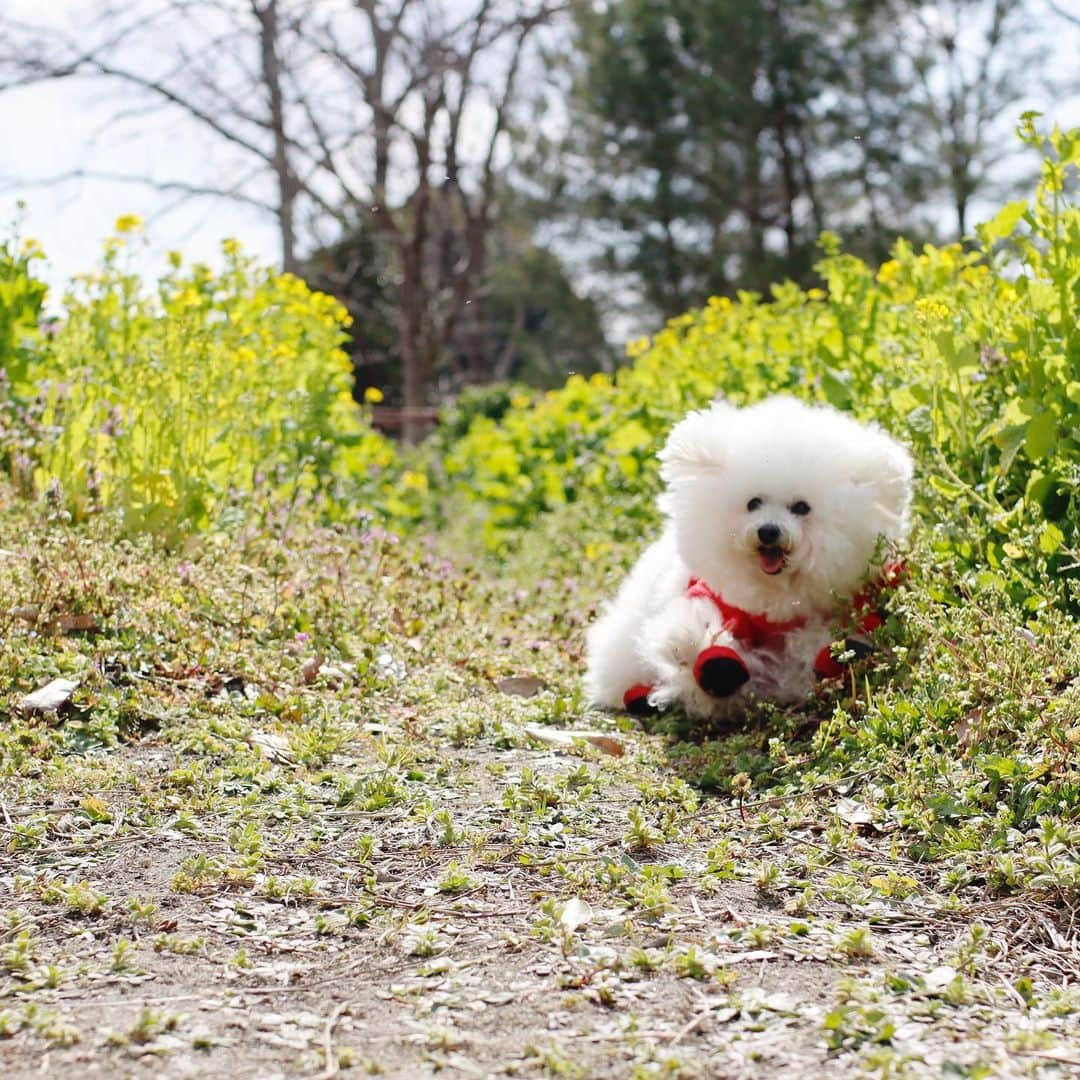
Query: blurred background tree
498, 188
380, 122
712, 141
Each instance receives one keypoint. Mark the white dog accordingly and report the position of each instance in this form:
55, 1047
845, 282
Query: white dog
777, 519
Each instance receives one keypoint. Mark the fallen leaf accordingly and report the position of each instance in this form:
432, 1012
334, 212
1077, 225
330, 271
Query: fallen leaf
310, 669
566, 738
50, 697
750, 957
96, 809
854, 813
939, 978
732, 916
575, 913
272, 747
969, 730
604, 742
76, 624
520, 685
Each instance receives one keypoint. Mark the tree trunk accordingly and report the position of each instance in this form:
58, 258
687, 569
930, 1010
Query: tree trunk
413, 359
267, 15
753, 272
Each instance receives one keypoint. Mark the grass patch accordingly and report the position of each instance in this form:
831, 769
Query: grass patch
287, 786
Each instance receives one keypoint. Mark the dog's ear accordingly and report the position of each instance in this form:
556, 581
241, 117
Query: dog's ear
881, 473
695, 445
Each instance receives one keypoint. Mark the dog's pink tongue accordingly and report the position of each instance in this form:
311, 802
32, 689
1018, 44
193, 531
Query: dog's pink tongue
772, 560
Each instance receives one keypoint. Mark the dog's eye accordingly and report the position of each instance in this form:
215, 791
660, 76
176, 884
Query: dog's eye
801, 508
755, 504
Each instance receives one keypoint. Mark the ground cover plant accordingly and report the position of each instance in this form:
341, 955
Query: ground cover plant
300, 789
311, 803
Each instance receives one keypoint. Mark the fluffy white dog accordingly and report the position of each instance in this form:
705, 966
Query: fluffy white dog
778, 516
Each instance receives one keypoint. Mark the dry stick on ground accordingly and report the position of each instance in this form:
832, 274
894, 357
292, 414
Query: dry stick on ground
333, 1067
696, 1022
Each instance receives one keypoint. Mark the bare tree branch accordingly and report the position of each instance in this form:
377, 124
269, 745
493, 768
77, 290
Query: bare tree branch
234, 193
360, 114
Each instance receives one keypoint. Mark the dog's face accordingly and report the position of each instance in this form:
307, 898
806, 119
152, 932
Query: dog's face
783, 503
773, 531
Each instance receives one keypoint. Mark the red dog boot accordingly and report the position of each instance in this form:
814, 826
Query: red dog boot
636, 700
826, 666
720, 671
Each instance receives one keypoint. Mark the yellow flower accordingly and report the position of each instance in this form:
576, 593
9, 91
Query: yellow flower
927, 310
175, 259
414, 481
815, 294
888, 272
187, 297
31, 249
373, 395
230, 247
128, 223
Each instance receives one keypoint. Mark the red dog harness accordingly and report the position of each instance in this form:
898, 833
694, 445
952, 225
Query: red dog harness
760, 632
757, 631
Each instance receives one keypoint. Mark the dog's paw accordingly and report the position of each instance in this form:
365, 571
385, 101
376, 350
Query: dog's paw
720, 671
637, 701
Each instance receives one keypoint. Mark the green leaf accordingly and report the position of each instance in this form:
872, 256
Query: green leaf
1050, 539
1005, 221
1041, 436
632, 435
999, 767
1020, 410
1010, 442
837, 387
947, 348
949, 490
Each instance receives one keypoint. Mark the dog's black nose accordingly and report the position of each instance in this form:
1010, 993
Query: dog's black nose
768, 534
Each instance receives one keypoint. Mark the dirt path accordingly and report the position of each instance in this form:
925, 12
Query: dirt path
293, 823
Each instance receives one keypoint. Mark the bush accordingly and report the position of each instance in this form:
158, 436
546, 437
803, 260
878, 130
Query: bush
168, 408
21, 301
971, 356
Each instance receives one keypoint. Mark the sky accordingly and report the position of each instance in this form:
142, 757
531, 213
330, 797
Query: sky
52, 129
47, 133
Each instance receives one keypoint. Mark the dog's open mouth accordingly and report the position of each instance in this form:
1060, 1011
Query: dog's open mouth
772, 559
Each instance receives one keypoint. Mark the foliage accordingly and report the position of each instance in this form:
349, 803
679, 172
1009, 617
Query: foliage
21, 299
168, 408
973, 357
524, 319
713, 141
424, 196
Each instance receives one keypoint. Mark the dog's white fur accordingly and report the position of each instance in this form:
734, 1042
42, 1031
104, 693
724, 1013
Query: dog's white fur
857, 482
